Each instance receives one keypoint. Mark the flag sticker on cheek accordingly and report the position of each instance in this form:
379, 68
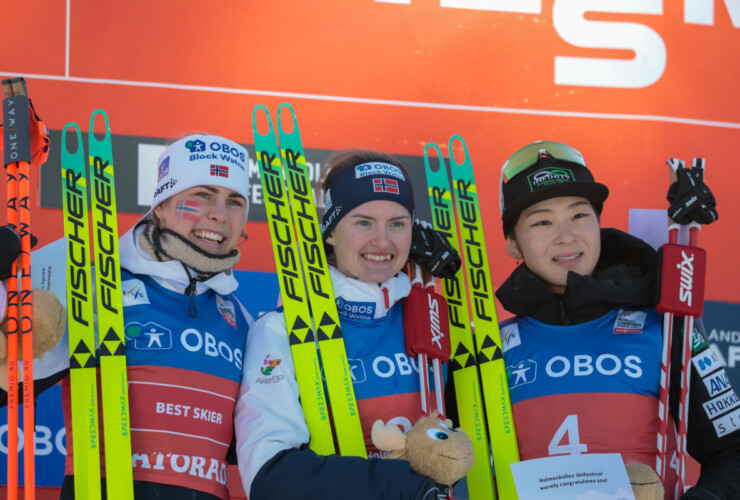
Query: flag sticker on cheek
188, 210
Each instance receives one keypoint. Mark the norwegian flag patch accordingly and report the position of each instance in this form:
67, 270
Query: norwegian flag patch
219, 171
385, 185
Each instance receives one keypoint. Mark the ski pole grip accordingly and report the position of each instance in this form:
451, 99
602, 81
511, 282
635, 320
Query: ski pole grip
683, 271
16, 122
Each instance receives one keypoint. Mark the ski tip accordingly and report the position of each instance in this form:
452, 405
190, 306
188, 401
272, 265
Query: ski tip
95, 136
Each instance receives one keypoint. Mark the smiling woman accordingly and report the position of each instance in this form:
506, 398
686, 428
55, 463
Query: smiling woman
185, 330
368, 227
585, 345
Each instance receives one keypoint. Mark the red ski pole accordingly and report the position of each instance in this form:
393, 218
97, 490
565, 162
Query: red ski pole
426, 330
17, 158
681, 292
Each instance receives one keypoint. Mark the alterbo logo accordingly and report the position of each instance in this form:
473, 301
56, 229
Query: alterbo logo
268, 365
196, 146
149, 336
522, 373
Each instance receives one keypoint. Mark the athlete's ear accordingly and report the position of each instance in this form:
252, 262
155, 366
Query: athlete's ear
330, 239
512, 248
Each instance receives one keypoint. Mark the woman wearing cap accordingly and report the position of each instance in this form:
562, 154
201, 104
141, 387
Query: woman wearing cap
185, 331
584, 347
367, 226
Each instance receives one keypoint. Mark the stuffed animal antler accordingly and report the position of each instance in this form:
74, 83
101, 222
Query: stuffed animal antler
432, 447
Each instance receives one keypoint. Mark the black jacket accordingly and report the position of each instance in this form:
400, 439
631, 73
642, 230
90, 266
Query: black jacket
627, 275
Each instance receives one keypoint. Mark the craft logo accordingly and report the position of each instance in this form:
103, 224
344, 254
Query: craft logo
164, 169
357, 370
524, 372
630, 322
149, 336
546, 177
227, 310
167, 185
268, 365
510, 336
384, 185
372, 168
196, 146
706, 362
134, 292
219, 171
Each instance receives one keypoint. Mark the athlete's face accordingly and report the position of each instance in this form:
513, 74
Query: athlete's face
556, 236
372, 242
210, 217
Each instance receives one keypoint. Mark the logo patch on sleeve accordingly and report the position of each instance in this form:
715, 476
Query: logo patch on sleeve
727, 424
706, 362
226, 308
716, 383
510, 336
630, 322
721, 404
134, 293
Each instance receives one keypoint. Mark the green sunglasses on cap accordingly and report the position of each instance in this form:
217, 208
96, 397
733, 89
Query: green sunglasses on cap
528, 155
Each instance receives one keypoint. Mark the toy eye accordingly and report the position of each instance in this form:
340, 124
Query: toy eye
437, 434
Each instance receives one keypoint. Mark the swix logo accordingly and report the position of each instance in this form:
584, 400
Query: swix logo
522, 373
434, 321
687, 277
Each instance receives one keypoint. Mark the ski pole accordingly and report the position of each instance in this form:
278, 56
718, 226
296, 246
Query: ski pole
426, 332
17, 139
682, 292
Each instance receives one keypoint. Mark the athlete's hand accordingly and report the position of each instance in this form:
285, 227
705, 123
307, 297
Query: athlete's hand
690, 199
10, 248
431, 250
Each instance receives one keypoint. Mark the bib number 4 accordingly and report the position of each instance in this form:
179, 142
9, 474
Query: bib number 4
570, 444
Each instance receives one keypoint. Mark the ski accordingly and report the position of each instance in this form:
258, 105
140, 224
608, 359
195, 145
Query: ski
80, 320
17, 159
320, 291
292, 290
483, 353
463, 363
109, 308
303, 336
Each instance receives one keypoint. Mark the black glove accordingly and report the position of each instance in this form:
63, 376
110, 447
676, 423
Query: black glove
10, 248
431, 250
690, 199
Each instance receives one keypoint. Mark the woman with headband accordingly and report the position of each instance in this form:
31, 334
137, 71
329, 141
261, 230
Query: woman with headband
185, 330
367, 226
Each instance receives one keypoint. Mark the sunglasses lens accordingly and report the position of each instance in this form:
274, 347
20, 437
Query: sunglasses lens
528, 155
